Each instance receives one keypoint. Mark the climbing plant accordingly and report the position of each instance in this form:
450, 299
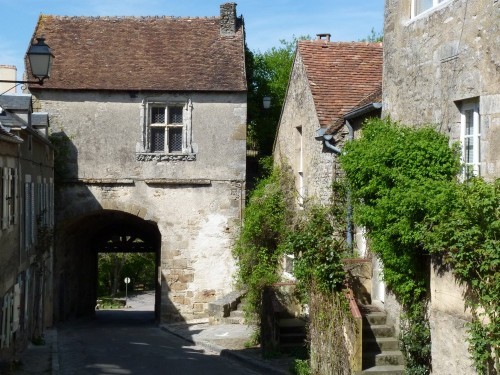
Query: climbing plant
399, 177
466, 236
257, 251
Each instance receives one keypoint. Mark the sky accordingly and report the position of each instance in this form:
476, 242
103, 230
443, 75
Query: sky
266, 21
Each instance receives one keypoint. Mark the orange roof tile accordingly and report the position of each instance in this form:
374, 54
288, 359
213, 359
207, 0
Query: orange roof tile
340, 75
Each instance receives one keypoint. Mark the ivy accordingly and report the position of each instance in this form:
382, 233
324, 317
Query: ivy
399, 177
257, 251
466, 237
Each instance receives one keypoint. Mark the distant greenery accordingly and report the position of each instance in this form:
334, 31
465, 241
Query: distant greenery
267, 75
114, 267
374, 37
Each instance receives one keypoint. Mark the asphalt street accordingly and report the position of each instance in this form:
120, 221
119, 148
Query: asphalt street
129, 342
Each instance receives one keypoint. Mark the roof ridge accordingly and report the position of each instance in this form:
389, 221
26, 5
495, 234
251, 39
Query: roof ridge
62, 17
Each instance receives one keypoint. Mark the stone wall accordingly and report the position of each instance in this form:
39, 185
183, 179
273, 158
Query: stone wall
432, 64
196, 204
299, 112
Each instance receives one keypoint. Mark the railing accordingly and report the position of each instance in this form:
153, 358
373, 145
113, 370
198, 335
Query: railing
355, 337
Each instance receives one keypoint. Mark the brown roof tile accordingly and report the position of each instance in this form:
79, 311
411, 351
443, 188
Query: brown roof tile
143, 53
340, 75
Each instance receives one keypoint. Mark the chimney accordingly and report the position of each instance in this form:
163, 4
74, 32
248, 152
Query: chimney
228, 19
325, 37
8, 72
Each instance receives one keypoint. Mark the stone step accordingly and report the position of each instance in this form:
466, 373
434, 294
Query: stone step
291, 322
378, 318
378, 330
385, 370
389, 357
232, 320
237, 314
370, 344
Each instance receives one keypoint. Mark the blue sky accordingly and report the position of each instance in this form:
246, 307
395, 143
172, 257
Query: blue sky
266, 21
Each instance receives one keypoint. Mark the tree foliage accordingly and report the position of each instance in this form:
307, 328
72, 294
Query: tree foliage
114, 267
267, 75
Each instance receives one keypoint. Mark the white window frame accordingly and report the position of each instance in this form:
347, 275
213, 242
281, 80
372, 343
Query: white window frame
414, 7
471, 166
167, 125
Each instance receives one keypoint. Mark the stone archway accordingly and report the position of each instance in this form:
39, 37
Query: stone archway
78, 242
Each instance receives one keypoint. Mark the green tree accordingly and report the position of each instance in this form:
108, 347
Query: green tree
114, 267
267, 75
374, 37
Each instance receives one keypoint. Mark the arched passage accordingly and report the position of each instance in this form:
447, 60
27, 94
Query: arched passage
79, 241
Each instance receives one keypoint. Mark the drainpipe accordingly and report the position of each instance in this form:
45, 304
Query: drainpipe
320, 135
349, 238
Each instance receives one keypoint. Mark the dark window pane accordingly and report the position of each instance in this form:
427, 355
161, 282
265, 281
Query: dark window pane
157, 115
175, 115
157, 139
175, 139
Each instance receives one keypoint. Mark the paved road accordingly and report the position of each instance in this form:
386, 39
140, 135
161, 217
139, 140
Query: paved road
129, 342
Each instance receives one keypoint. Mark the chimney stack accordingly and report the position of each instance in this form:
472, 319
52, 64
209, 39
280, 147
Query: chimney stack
228, 19
325, 37
8, 72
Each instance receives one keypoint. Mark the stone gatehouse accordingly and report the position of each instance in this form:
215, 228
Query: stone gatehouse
152, 115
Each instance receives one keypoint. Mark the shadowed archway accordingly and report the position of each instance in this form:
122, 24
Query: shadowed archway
77, 244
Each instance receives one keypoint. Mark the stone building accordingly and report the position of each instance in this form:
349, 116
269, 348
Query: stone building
328, 80
152, 113
441, 66
26, 219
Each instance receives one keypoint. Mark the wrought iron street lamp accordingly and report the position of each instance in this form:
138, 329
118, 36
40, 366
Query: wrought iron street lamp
40, 57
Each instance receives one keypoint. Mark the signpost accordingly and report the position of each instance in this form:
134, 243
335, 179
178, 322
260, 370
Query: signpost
127, 281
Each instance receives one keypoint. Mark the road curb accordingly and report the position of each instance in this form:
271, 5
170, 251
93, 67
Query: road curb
223, 352
55, 353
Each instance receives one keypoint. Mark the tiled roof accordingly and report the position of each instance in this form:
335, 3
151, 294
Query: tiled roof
5, 135
143, 53
340, 75
15, 102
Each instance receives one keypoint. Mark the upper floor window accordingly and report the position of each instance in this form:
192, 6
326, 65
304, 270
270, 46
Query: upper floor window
166, 128
420, 6
167, 133
471, 137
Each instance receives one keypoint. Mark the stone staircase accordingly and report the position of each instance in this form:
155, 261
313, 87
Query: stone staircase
236, 316
291, 333
381, 354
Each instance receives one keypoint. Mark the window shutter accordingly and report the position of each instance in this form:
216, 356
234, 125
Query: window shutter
15, 198
32, 213
16, 308
5, 194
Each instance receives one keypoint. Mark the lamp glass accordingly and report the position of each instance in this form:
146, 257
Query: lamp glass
266, 102
41, 58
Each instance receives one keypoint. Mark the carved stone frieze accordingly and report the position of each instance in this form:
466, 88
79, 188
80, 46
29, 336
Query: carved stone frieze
143, 156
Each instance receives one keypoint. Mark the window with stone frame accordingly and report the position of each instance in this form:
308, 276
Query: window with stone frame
166, 129
470, 136
420, 6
